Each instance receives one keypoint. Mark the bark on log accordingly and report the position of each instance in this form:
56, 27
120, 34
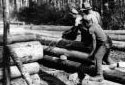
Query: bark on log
71, 54
109, 74
30, 68
21, 81
62, 43
52, 41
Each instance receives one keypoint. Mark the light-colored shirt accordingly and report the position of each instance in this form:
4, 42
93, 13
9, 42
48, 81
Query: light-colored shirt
98, 31
95, 16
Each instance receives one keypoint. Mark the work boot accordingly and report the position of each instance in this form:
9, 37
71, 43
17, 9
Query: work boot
98, 78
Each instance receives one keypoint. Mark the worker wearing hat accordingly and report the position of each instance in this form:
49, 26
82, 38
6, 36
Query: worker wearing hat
87, 9
100, 45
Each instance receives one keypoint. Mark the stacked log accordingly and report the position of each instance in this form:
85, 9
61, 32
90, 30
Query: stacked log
114, 34
21, 81
25, 52
31, 68
14, 38
109, 74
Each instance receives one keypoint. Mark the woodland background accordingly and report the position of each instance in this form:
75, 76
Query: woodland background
56, 12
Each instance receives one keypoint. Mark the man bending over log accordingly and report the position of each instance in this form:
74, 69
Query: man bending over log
92, 33
100, 45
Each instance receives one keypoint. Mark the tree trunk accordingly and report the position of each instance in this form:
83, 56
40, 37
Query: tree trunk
109, 74
6, 57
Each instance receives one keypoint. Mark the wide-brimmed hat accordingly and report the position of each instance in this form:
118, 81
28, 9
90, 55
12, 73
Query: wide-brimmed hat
86, 6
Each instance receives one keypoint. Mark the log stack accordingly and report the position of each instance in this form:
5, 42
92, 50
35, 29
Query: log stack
23, 58
22, 51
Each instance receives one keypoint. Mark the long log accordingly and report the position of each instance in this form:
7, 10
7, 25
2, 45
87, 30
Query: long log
19, 38
117, 37
30, 68
63, 28
113, 35
20, 81
120, 45
109, 74
52, 41
44, 37
71, 54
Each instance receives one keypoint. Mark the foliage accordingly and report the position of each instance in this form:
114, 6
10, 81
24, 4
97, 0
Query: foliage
45, 14
115, 19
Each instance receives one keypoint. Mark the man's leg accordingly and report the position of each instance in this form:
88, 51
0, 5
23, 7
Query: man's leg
107, 59
98, 62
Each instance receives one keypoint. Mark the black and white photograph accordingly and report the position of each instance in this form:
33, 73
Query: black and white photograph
62, 42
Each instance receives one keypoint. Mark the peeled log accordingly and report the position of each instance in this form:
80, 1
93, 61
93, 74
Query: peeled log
26, 51
20, 81
117, 37
48, 27
30, 68
19, 38
109, 74
120, 45
117, 32
43, 37
63, 28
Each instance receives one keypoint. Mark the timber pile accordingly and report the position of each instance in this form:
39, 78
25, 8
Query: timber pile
48, 37
114, 34
22, 51
23, 58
